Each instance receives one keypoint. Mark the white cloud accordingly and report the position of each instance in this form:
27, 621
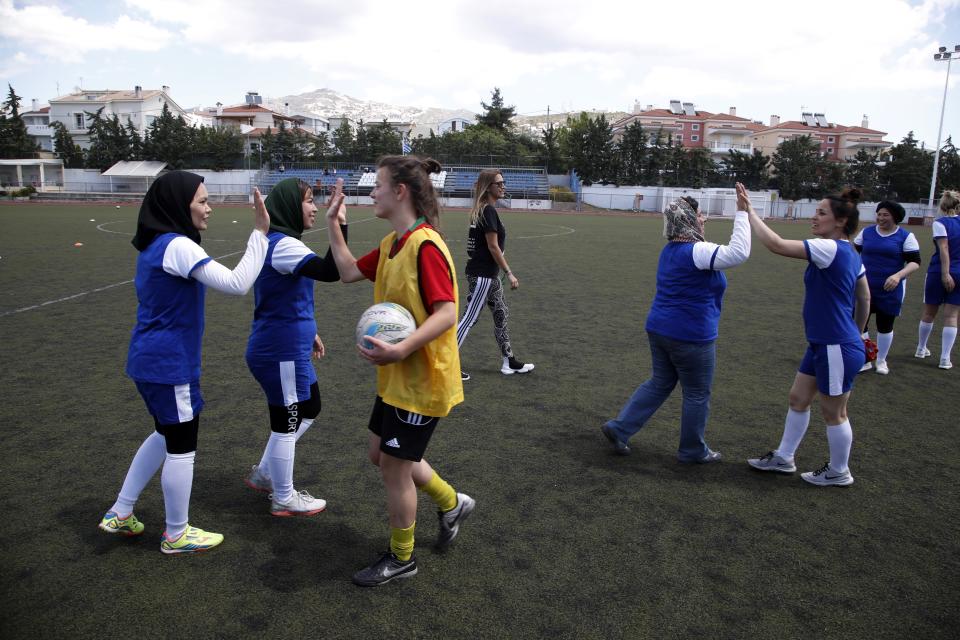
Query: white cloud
760, 56
49, 31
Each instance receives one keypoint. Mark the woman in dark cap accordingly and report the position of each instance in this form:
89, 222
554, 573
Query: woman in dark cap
889, 253
284, 338
682, 327
173, 273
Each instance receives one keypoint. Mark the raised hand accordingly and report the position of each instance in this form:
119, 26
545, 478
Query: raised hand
261, 217
337, 210
743, 199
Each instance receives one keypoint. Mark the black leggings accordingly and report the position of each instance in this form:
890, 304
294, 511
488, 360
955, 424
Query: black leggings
884, 320
180, 437
287, 419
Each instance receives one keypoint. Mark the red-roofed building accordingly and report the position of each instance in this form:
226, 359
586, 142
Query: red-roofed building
722, 132
252, 120
837, 141
717, 132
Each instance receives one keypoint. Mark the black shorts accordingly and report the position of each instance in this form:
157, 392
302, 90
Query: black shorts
403, 434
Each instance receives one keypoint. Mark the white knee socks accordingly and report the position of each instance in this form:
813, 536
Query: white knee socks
794, 428
946, 346
177, 482
282, 447
884, 340
840, 438
145, 465
925, 329
264, 465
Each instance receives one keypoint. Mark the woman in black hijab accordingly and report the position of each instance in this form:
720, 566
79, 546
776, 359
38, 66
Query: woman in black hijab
173, 273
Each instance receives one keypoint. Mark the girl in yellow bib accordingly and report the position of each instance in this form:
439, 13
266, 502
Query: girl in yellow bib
418, 379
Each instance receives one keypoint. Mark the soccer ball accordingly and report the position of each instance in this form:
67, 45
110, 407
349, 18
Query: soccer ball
386, 321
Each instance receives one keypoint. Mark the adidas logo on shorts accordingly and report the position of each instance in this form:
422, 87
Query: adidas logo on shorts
392, 442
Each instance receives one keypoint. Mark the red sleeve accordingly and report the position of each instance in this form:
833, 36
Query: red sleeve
368, 264
436, 284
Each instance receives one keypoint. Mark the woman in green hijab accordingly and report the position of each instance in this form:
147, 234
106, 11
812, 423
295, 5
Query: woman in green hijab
283, 340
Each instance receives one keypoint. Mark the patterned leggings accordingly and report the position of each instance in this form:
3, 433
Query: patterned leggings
488, 290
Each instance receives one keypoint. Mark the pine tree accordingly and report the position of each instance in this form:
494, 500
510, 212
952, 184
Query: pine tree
14, 141
68, 151
168, 139
495, 115
907, 171
551, 147
796, 163
343, 140
948, 171
633, 153
863, 172
750, 169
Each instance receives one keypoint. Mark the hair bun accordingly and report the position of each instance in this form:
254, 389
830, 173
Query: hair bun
430, 165
852, 193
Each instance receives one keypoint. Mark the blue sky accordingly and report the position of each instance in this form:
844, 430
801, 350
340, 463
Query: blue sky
846, 58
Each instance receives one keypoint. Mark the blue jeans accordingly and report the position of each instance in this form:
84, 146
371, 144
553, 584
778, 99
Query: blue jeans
690, 363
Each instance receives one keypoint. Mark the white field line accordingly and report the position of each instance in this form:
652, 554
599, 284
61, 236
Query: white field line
565, 231
119, 284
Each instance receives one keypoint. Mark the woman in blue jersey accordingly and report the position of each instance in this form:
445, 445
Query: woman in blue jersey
889, 254
682, 327
283, 339
836, 304
173, 273
943, 277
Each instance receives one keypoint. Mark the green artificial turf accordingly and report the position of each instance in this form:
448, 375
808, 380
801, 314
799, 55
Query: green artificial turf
568, 540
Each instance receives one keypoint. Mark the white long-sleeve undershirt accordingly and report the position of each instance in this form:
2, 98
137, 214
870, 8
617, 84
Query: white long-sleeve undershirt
711, 256
241, 278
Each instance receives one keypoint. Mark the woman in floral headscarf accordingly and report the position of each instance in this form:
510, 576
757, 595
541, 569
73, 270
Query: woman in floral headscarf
682, 328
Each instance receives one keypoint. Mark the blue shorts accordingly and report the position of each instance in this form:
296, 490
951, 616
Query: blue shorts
171, 403
934, 293
888, 302
285, 383
833, 365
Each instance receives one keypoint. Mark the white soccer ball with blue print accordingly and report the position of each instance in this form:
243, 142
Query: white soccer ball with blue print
386, 321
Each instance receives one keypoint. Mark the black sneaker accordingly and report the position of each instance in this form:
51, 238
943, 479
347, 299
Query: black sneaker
619, 446
511, 365
464, 376
451, 520
387, 568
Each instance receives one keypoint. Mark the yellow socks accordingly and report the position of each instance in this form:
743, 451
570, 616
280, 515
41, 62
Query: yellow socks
401, 542
440, 492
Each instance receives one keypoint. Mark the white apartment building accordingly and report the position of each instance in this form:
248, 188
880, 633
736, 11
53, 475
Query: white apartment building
138, 106
37, 121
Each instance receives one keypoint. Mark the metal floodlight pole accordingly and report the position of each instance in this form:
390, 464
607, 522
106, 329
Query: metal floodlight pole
943, 54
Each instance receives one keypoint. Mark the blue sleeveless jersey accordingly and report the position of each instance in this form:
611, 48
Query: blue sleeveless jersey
166, 341
952, 225
830, 296
687, 303
882, 256
283, 322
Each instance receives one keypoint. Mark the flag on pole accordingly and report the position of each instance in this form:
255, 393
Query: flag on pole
405, 147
